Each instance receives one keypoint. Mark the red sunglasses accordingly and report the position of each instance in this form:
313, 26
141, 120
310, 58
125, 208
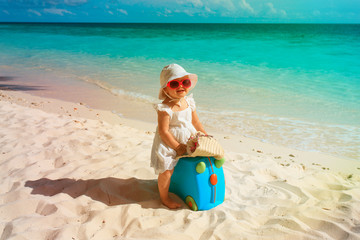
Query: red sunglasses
174, 84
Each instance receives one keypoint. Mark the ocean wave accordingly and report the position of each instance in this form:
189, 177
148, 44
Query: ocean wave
337, 140
119, 92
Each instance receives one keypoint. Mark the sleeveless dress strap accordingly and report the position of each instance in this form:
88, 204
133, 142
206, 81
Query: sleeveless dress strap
190, 100
163, 108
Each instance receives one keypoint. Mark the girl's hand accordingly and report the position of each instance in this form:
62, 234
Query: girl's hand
180, 149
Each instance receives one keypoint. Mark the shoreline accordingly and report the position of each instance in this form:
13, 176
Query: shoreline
68, 88
73, 90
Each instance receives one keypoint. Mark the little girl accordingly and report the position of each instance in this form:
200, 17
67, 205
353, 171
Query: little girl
177, 121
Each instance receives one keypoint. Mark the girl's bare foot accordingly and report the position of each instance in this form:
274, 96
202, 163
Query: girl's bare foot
170, 203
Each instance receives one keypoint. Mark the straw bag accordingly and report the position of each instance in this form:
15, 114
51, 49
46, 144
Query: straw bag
204, 145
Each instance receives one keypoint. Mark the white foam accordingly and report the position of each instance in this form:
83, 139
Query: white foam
337, 140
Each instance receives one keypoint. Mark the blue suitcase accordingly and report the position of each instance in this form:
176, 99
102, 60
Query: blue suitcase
199, 182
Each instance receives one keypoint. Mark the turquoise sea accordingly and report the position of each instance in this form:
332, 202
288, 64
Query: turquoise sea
296, 85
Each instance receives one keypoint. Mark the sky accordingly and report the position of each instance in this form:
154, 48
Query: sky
181, 11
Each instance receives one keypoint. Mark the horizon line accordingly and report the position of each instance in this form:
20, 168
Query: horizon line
53, 22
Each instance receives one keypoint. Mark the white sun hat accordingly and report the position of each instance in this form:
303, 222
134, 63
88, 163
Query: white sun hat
171, 72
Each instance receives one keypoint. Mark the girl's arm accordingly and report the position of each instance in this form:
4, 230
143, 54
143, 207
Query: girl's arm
197, 124
166, 136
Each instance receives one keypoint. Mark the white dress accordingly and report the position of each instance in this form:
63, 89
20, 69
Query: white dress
163, 157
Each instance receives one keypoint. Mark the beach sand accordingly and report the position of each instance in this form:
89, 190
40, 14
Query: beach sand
69, 171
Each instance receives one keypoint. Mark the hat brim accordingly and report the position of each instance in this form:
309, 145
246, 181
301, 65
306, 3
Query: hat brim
193, 77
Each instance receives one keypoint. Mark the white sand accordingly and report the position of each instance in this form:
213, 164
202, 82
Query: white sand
71, 172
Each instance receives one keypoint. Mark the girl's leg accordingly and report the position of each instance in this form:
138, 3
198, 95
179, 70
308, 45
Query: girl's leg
163, 185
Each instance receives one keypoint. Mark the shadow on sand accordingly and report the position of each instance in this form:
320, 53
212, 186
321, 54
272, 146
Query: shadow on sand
16, 87
110, 191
